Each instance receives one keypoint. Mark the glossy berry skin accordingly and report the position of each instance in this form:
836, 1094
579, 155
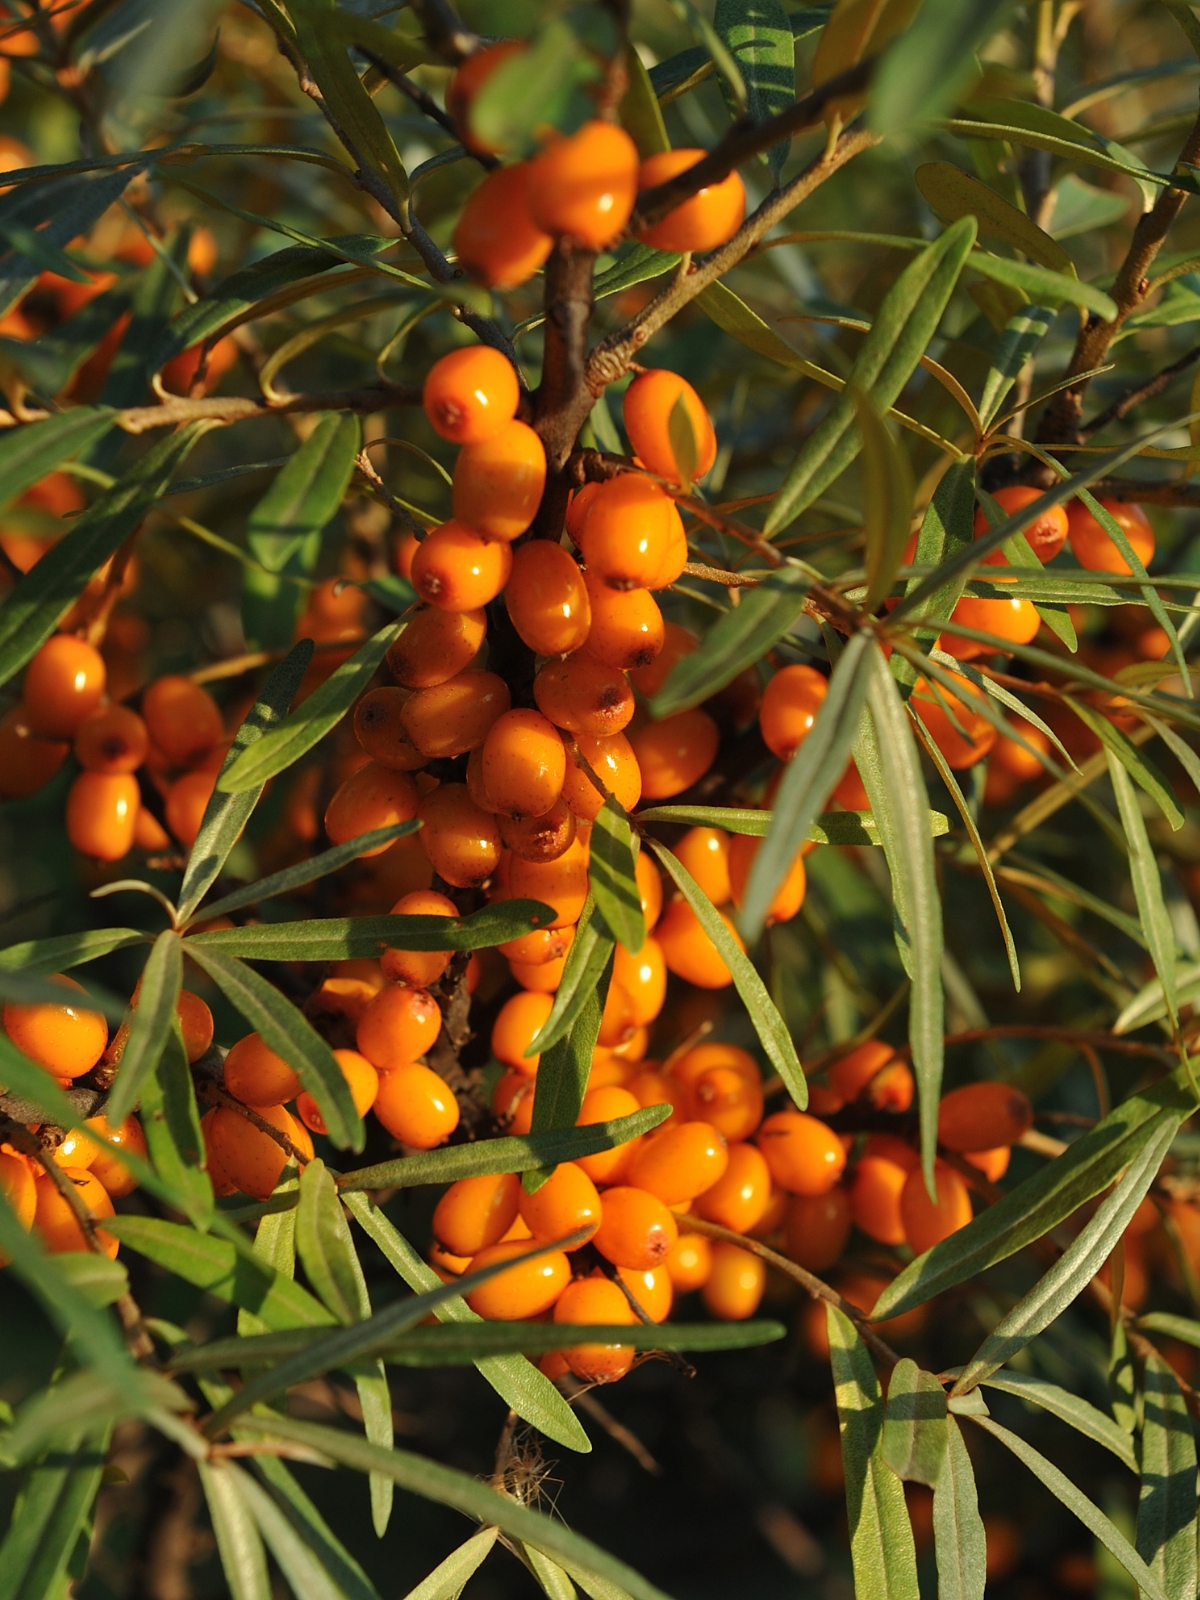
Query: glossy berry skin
649, 883
379, 729
476, 1212
679, 1163
805, 1157
102, 809
524, 764
627, 626
517, 1021
498, 483
27, 762
436, 646
875, 1192
614, 763
696, 1063
562, 883
1046, 534
651, 1289
55, 1221
689, 1262
731, 1103
789, 896
415, 1106
17, 1186
397, 1026
471, 394
643, 979
627, 531
647, 407
1014, 620
636, 1229
543, 838
362, 1081
63, 685
980, 1116
678, 642
706, 220
540, 946
789, 708
734, 1287
566, 1203
818, 1227
584, 185
675, 753
112, 739
373, 797
1093, 547
496, 238
512, 1101
350, 988
251, 1159
547, 599
256, 1076
959, 752
688, 950
461, 840
850, 1074
455, 716
457, 569
186, 802
66, 1040
106, 1164
526, 1289
927, 1223
608, 1104
582, 695
739, 1197
182, 718
419, 967
600, 1302
704, 852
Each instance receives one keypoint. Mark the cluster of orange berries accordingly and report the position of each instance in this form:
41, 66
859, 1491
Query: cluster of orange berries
582, 186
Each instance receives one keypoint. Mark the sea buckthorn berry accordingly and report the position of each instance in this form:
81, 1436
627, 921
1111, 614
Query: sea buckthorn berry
221, 1182
541, 977
608, 1104
927, 1223
76, 1150
627, 531
526, 1289
643, 978
675, 556
251, 1159
512, 1101
524, 764
636, 1229
992, 1163
584, 184
689, 1068
455, 716
470, 395
542, 838
689, 1262
373, 797
498, 483
457, 569
415, 1106
774, 1217
419, 967
875, 1192
730, 1102
547, 599
652, 1087
349, 988
461, 840
980, 734
675, 753
789, 708
805, 1157
616, 1019
578, 506
1013, 620
101, 811
710, 217
649, 402
541, 946
678, 642
256, 1076
566, 1203
380, 731
893, 1089
850, 792
582, 695
362, 1081
705, 853
1093, 547
111, 739
27, 761
600, 1302
614, 763
436, 646
739, 1197
734, 1287
789, 896
1046, 534
397, 1026
17, 1185
469, 78
817, 1228
518, 1020
183, 719
495, 237
195, 1022
106, 1164
55, 1220
562, 884
688, 951
627, 626
186, 802
850, 1074
652, 1290
63, 685
149, 833
476, 1212
679, 1163
980, 1116
649, 883
446, 1264
67, 1040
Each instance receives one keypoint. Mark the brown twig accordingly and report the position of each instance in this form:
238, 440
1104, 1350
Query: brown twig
445, 30
214, 1095
721, 575
579, 1395
1134, 397
427, 104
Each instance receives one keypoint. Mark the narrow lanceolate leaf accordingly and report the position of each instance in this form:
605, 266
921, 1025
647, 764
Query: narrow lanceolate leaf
1074, 1269
830, 827
886, 754
759, 38
809, 778
611, 876
768, 1024
588, 960
1069, 1408
1145, 772
914, 1424
27, 454
31, 611
906, 322
242, 1556
66, 950
311, 721
305, 1575
562, 1075
640, 113
739, 639
289, 1033
1166, 1520
1153, 915
1013, 349
171, 1124
52, 1509
953, 193
959, 1541
226, 815
352, 1581
887, 487
1111, 1537
338, 938
930, 62
947, 528
150, 1023
275, 1241
449, 1578
304, 872
881, 1540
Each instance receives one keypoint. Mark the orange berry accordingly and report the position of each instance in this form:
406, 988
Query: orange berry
734, 1287
524, 764
186, 802
584, 185
183, 719
614, 763
789, 708
688, 951
627, 531
739, 1197
498, 483
582, 695
893, 1089
547, 599
1095, 549
543, 838
470, 394
562, 884
677, 643
649, 883
805, 1157
102, 809
454, 717
710, 217
148, 833
447, 1265
379, 729
539, 947
1046, 534
636, 1229
850, 792
476, 1212
419, 967
373, 797
850, 1074
461, 840
196, 1024
705, 853
518, 1020
1013, 620
63, 685
55, 1220
436, 646
27, 761
643, 978
566, 1203
875, 1198
457, 569
598, 1301
651, 1289
251, 1159
607, 1104
362, 1081
399, 1025
732, 1103
675, 753
106, 1164
349, 988
980, 1116
818, 1226
18, 1188
66, 1040
992, 1163
496, 238
512, 1101
578, 507
222, 1183
256, 1076
616, 1020
469, 78
649, 402
959, 752
627, 626
415, 1106
689, 1262
525, 1290
689, 1068
927, 1223
789, 896
111, 739
680, 1162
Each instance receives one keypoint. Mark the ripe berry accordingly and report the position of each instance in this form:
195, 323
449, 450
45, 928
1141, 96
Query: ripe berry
992, 1163
614, 763
789, 896
27, 761
675, 753
600, 1302
461, 840
584, 185
875, 1198
651, 1289
627, 531
649, 883
581, 695
106, 1164
643, 979
627, 626
681, 1162
380, 731
980, 1116
498, 483
350, 988
525, 1290
805, 1157
186, 802
701, 1059
1013, 620
607, 1105
1046, 534
183, 719
512, 1101
818, 1227
524, 764
705, 853
419, 967
850, 1074
415, 1106
17, 1186
457, 569
518, 1020
495, 237
63, 685
710, 217
399, 1025
112, 739
547, 600
1094, 548
362, 1081
455, 716
469, 78
980, 734
927, 1223
734, 1287
739, 1197
256, 1076
55, 1220
566, 1203
542, 838
470, 394
541, 946
732, 1103
687, 949
689, 1262
678, 642
435, 646
101, 811
251, 1159
562, 884
636, 1229
649, 402
476, 1212
789, 708
66, 1040
373, 797
893, 1089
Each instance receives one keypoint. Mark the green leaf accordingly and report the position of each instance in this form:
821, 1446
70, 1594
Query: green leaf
51, 1512
66, 950
639, 111
297, 1561
325, 1247
150, 1023
1166, 1519
830, 827
1069, 1408
758, 35
352, 1581
914, 1438
318, 866
952, 194
959, 1539
275, 1240
449, 1577
930, 63
337, 938
888, 492
1122, 1384
1074, 1269
28, 453
611, 876
242, 1556
550, 1577
32, 609
1048, 288
947, 528
906, 322
734, 317
289, 1033
1153, 915
763, 1013
1132, 758
562, 1075
83, 1401
171, 1124
1014, 347
881, 1540
541, 87
68, 205
763, 616
100, 1281
587, 965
